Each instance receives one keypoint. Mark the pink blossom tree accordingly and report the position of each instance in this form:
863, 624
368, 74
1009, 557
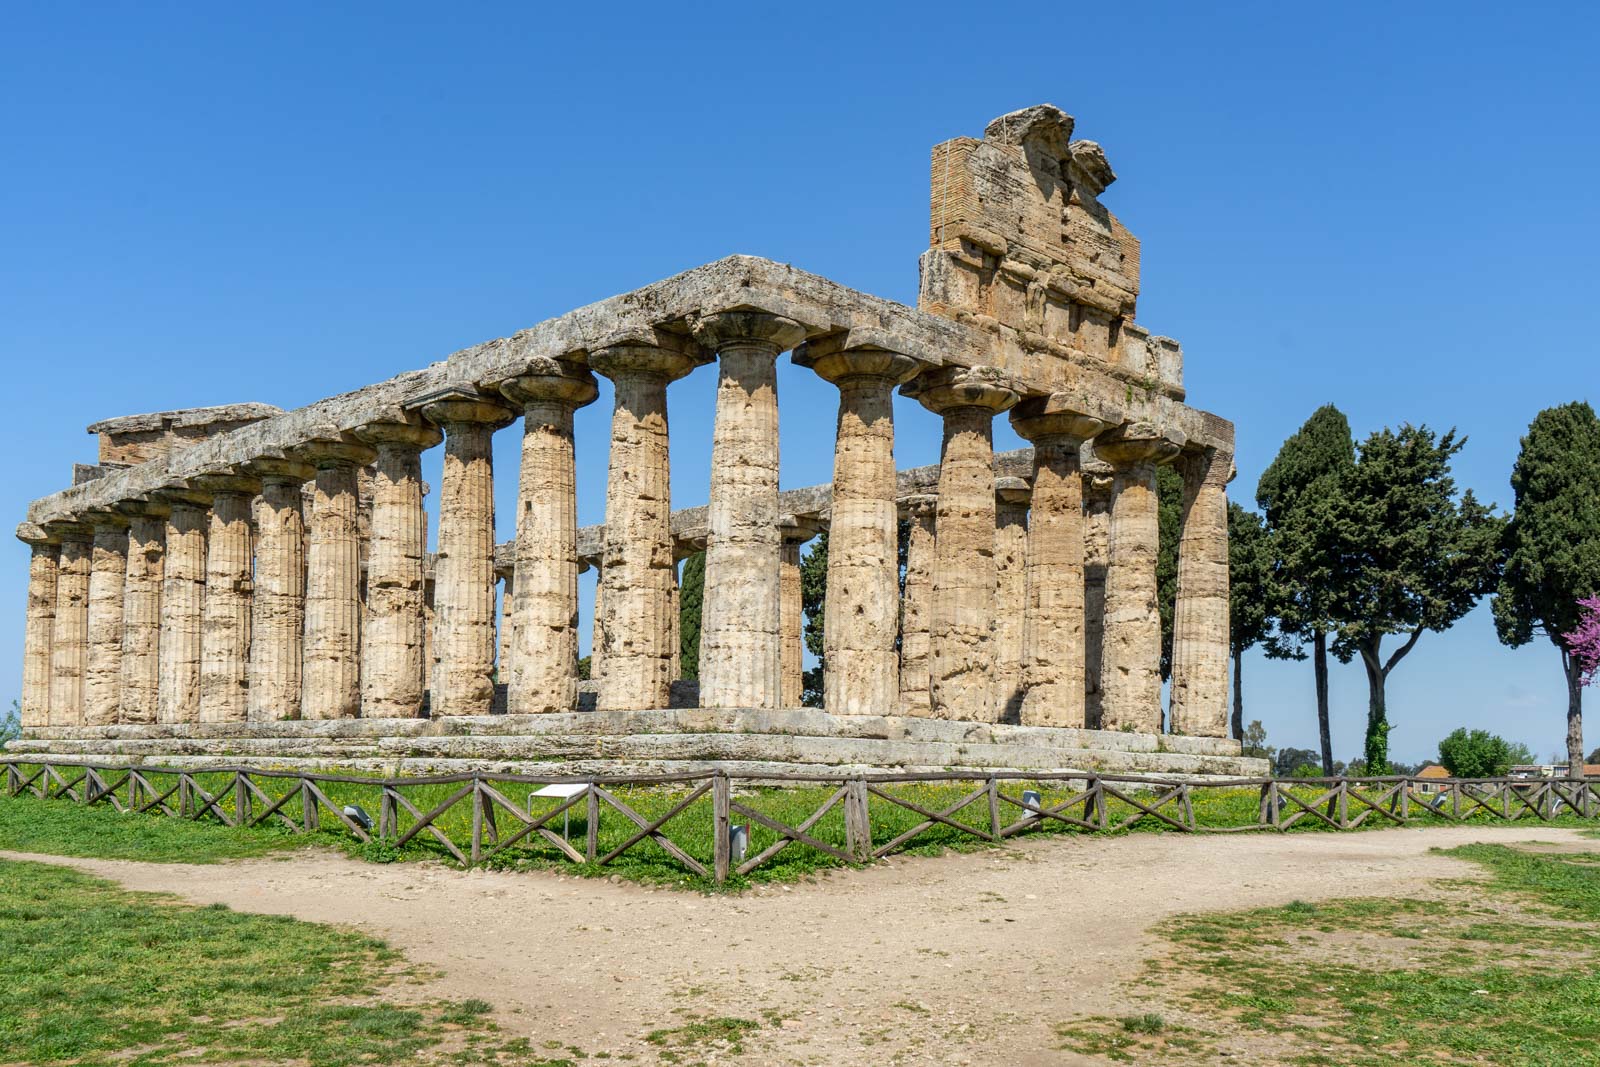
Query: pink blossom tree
1583, 644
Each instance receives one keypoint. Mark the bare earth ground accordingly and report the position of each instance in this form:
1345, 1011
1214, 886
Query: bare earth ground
961, 959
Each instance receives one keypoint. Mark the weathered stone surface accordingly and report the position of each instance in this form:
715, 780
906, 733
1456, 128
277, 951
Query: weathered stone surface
108, 566
961, 664
1054, 637
1131, 655
278, 605
225, 621
791, 614
862, 669
43, 567
140, 438
1096, 557
183, 592
544, 625
141, 610
69, 639
1200, 621
331, 673
740, 646
392, 635
1011, 593
916, 606
633, 614
463, 599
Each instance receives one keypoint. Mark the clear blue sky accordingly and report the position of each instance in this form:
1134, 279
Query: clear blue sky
1389, 207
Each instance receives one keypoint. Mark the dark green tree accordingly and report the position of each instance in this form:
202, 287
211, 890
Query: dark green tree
1415, 557
1552, 545
1254, 739
1475, 754
691, 601
1249, 596
813, 604
1169, 516
1296, 494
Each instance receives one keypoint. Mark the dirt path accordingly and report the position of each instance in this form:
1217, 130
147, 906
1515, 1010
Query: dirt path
968, 959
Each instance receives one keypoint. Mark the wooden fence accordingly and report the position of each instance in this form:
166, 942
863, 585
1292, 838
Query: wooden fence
996, 808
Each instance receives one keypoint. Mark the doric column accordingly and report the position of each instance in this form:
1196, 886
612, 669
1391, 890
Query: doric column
961, 670
1131, 658
633, 601
392, 633
791, 614
507, 582
1011, 497
183, 594
1096, 556
597, 627
916, 606
1053, 640
330, 686
861, 670
278, 606
543, 645
463, 599
39, 628
69, 640
675, 611
141, 609
225, 622
1200, 645
740, 643
108, 568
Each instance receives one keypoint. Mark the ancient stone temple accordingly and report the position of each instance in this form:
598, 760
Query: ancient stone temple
250, 584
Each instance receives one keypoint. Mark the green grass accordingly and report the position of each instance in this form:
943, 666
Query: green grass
60, 826
1502, 972
99, 975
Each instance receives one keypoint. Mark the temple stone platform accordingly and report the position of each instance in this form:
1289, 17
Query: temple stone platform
740, 741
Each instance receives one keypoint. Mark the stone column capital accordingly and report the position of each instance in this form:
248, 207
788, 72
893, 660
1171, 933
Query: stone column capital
1043, 418
326, 453
70, 530
1012, 491
552, 381
410, 433
747, 327
281, 470
668, 359
220, 483
31, 533
833, 361
106, 518
463, 407
949, 389
1134, 443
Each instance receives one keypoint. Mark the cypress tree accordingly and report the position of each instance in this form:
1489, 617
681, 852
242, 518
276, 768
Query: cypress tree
691, 599
1295, 493
1552, 545
1249, 596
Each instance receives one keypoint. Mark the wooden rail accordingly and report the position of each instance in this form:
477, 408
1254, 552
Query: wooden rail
988, 808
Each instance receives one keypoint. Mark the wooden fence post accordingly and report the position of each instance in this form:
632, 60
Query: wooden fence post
1344, 804
857, 820
311, 821
1405, 800
721, 823
994, 808
183, 795
591, 846
477, 821
388, 816
241, 800
1102, 815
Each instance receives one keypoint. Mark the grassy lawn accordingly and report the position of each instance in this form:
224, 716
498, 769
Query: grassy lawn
60, 826
1503, 972
98, 975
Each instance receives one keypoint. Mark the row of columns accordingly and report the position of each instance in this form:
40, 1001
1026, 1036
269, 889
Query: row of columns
221, 599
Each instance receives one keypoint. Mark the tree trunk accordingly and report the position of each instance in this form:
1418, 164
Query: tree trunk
1377, 744
1569, 664
1238, 696
1319, 664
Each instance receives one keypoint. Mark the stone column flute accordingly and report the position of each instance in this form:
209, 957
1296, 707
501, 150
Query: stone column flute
916, 606
1200, 619
861, 670
230, 574
543, 589
278, 606
392, 636
463, 599
183, 593
961, 668
740, 644
1011, 498
141, 610
331, 674
108, 567
43, 568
